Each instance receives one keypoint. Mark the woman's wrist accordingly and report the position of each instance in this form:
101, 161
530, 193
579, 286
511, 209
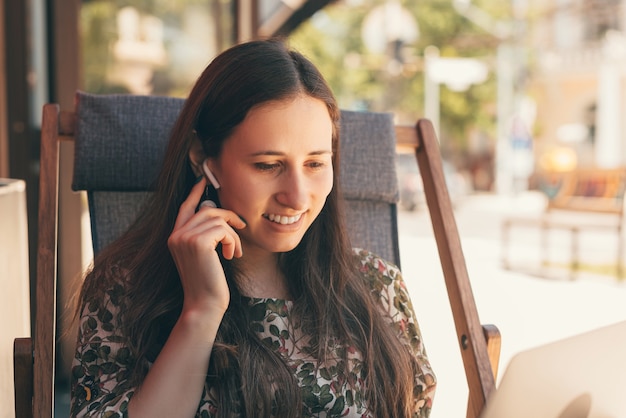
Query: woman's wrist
202, 322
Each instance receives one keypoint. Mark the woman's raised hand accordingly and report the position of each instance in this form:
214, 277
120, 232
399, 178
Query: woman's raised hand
193, 244
177, 373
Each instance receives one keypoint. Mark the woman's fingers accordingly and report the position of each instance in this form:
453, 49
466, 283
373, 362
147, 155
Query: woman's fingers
207, 220
189, 218
193, 243
188, 207
206, 230
230, 217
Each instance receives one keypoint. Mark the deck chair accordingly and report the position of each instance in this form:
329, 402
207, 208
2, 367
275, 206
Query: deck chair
117, 174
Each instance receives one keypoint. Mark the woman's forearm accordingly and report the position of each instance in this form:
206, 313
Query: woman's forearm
174, 385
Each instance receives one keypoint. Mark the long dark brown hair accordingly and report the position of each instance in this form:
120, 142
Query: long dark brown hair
330, 298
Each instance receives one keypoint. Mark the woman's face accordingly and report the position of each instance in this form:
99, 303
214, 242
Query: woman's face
276, 171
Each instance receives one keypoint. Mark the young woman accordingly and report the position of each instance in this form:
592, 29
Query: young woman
236, 293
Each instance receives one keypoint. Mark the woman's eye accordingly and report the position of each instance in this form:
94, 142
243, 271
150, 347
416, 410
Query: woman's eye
316, 164
266, 166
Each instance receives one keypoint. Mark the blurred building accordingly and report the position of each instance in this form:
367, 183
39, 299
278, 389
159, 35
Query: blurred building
577, 78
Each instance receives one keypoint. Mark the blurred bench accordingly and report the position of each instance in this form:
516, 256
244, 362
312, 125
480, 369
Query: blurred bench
599, 193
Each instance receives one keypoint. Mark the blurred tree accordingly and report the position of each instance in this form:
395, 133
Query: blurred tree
99, 31
387, 78
394, 79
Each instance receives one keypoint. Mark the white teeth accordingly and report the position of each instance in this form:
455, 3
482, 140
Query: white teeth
283, 220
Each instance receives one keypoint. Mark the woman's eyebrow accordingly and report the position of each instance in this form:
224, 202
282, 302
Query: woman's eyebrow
320, 152
280, 153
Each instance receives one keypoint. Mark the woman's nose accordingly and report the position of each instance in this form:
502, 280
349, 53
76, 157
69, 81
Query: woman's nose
294, 190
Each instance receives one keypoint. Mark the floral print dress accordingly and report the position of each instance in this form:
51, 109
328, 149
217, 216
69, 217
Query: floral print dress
102, 363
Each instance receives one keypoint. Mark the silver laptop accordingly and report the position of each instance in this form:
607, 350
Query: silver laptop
583, 376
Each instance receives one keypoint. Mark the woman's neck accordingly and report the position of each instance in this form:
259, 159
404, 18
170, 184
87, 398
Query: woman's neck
261, 277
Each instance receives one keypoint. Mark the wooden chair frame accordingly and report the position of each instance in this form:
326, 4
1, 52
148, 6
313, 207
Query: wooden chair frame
34, 357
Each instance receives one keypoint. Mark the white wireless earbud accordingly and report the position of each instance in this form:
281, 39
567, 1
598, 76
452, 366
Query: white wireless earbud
208, 204
209, 175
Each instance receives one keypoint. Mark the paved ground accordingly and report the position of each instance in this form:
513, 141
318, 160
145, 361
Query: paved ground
528, 309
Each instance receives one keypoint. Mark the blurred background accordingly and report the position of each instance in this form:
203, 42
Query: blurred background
513, 87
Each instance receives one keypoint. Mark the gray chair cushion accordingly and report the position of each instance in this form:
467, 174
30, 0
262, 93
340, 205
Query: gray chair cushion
368, 152
369, 181
111, 213
120, 141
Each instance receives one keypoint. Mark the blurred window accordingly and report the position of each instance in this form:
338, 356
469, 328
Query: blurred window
151, 46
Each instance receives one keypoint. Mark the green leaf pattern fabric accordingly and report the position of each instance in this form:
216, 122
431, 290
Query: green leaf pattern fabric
102, 363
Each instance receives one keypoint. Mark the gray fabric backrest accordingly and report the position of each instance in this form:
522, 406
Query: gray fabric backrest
121, 139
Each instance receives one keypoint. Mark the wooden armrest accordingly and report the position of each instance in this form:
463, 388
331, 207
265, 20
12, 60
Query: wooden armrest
494, 343
493, 340
23, 376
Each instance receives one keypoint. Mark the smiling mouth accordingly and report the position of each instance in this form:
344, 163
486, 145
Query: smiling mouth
283, 220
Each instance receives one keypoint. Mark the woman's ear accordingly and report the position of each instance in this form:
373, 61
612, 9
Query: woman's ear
196, 156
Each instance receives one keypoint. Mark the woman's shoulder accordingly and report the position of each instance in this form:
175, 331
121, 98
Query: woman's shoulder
389, 289
386, 283
384, 280
375, 268
105, 280
103, 298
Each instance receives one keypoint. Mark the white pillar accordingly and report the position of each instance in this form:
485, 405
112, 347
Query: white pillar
431, 88
503, 157
608, 147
